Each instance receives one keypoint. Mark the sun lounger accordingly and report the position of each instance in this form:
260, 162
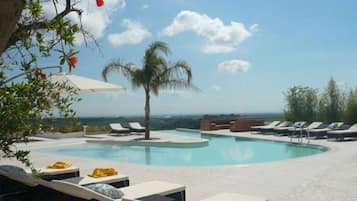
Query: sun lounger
342, 134
117, 128
136, 127
234, 197
283, 131
302, 131
60, 190
322, 132
117, 181
50, 174
271, 129
15, 180
271, 125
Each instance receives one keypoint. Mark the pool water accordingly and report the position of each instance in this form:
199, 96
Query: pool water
221, 150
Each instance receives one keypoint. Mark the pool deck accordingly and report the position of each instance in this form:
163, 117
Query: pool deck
330, 176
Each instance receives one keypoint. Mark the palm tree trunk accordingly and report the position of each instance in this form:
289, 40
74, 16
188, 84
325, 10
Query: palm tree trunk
147, 114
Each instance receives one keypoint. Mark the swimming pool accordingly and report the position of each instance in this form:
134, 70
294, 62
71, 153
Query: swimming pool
221, 150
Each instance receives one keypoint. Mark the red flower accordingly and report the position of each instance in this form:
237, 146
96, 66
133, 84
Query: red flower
73, 62
40, 74
100, 3
43, 76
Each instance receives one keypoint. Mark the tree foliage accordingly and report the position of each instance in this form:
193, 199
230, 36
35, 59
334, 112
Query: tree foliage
350, 114
301, 104
156, 73
331, 104
28, 37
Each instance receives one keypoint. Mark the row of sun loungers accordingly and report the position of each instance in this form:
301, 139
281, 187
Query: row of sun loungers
133, 127
337, 130
16, 184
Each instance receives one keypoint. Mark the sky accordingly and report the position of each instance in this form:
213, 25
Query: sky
243, 53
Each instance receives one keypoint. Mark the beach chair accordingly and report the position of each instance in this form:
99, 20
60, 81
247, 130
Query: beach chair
118, 128
136, 127
342, 134
60, 190
234, 197
50, 174
271, 125
283, 124
117, 181
321, 132
302, 131
284, 131
14, 178
15, 182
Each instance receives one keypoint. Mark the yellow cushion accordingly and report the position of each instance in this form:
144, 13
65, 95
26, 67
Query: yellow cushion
103, 172
59, 165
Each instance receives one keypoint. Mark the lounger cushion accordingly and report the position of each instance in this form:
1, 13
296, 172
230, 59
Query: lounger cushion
107, 190
12, 169
104, 180
47, 171
18, 174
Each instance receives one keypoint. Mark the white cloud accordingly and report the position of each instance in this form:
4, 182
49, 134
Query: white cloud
234, 66
95, 20
216, 87
134, 34
145, 6
254, 28
221, 38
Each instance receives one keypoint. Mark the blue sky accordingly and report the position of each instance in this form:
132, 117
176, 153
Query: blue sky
243, 54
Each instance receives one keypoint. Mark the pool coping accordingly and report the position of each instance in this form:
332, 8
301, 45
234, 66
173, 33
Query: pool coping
326, 176
160, 139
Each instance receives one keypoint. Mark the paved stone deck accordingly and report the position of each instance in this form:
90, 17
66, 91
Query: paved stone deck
330, 176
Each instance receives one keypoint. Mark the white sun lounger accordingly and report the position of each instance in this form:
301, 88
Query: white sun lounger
271, 125
322, 132
70, 174
341, 134
118, 180
313, 125
129, 193
284, 130
304, 130
283, 124
118, 128
49, 173
234, 197
135, 126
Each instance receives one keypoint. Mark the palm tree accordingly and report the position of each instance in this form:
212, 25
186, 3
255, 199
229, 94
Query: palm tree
156, 73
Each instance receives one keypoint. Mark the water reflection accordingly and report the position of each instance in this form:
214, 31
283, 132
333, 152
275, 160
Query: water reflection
147, 155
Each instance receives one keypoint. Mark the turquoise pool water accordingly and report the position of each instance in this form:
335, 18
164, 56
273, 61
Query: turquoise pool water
221, 150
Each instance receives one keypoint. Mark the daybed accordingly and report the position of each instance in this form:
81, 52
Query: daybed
136, 127
302, 131
284, 124
271, 125
283, 131
322, 132
342, 134
118, 128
